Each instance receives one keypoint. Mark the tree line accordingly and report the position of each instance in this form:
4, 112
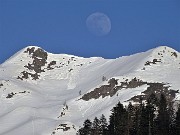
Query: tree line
155, 117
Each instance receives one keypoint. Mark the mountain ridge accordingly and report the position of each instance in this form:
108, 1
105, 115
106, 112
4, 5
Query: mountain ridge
45, 83
36, 47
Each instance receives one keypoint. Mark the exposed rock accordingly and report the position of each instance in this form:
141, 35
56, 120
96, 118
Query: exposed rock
157, 89
113, 87
70, 70
132, 84
51, 64
10, 95
30, 50
63, 127
39, 57
25, 75
37, 64
40, 53
174, 54
155, 61
1, 84
29, 66
34, 76
103, 91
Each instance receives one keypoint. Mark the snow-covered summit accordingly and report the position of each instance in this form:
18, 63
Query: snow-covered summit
36, 86
165, 54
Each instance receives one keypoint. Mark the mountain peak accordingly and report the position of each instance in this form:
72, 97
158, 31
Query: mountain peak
164, 49
163, 54
31, 46
68, 88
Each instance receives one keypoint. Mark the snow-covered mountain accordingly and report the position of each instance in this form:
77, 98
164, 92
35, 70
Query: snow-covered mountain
44, 93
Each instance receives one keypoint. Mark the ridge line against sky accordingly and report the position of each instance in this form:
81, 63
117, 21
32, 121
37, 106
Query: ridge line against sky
59, 26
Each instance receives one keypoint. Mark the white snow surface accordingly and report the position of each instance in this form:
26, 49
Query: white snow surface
38, 110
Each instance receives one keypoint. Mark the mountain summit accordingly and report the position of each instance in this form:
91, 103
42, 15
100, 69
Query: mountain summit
45, 93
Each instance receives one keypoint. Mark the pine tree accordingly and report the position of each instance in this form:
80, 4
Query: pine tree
118, 120
144, 121
131, 113
177, 122
162, 117
172, 119
86, 129
152, 102
152, 99
103, 125
135, 121
96, 126
111, 126
138, 116
121, 118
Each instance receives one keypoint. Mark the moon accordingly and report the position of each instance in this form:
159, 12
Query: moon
99, 24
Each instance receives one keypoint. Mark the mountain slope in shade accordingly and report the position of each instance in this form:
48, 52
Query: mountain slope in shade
44, 93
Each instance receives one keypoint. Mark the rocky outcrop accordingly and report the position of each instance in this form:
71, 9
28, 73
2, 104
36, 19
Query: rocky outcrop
113, 87
63, 127
155, 61
103, 91
157, 89
49, 67
10, 95
39, 57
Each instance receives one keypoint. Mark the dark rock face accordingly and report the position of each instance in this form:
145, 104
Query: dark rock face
157, 89
30, 50
103, 91
39, 64
174, 54
39, 57
155, 61
131, 84
10, 95
51, 64
25, 75
113, 87
40, 53
1, 85
63, 127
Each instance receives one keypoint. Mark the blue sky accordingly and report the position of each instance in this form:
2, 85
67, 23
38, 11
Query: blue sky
59, 26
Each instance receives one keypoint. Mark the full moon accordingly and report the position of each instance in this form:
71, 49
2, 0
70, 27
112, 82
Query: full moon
99, 24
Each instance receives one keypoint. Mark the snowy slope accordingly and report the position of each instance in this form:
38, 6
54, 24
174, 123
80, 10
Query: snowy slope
44, 93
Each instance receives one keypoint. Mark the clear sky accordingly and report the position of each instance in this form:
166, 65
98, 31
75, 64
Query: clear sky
59, 26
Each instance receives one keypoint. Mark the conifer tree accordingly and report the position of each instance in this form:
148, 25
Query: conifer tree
163, 117
131, 113
118, 120
138, 116
96, 126
172, 118
144, 121
152, 99
152, 102
111, 126
121, 118
86, 129
103, 125
177, 122
135, 121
